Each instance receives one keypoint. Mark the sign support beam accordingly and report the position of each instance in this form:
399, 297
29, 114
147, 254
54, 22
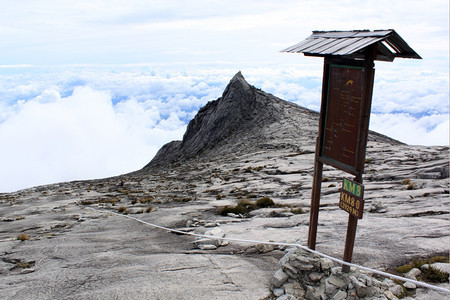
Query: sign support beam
351, 234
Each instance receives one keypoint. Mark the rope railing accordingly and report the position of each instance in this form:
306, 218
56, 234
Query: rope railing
339, 261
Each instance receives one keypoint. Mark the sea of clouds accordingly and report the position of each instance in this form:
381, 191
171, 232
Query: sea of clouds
60, 123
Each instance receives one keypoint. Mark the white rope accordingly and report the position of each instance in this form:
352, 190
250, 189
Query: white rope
384, 274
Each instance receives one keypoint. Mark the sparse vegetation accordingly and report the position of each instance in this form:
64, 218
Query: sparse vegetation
183, 199
265, 202
297, 210
406, 181
238, 210
430, 274
245, 206
23, 237
146, 199
409, 184
149, 209
113, 201
121, 209
24, 265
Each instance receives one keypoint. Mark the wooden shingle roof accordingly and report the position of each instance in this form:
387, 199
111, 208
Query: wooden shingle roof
353, 44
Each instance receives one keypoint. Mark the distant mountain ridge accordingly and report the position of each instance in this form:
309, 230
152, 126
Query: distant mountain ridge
244, 118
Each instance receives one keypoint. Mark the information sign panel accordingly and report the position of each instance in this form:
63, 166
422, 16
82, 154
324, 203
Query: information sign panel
342, 124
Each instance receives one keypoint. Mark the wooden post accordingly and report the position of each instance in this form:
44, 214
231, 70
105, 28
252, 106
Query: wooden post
351, 234
362, 144
315, 201
318, 167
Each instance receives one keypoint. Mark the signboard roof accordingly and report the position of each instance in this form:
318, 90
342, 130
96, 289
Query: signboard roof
353, 43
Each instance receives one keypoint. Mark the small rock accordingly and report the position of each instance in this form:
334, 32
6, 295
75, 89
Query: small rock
326, 264
295, 289
444, 267
315, 277
377, 207
251, 250
290, 270
264, 248
279, 278
211, 224
410, 285
27, 270
314, 294
367, 280
359, 286
389, 295
396, 289
278, 292
287, 297
330, 289
340, 295
413, 273
216, 232
232, 215
389, 282
207, 247
337, 281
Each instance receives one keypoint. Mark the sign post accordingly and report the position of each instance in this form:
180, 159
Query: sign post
347, 85
343, 131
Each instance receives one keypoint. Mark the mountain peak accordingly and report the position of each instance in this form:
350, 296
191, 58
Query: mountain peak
245, 119
238, 109
238, 78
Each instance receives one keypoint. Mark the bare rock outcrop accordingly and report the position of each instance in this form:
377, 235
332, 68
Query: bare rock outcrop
226, 124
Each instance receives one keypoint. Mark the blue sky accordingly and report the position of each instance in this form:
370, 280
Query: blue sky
92, 89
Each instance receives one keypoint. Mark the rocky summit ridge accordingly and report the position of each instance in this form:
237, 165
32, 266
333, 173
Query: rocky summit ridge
245, 119
76, 240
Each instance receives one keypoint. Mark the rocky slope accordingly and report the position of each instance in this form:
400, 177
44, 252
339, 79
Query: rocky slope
243, 146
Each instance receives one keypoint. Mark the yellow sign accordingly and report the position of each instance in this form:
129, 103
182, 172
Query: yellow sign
351, 199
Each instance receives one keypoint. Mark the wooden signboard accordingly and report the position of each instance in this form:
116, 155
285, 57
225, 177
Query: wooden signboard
342, 115
346, 109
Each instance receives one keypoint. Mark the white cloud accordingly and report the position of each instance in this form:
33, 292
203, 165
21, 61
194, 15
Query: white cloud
427, 130
82, 136
77, 122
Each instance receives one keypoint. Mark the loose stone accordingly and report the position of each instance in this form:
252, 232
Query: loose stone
340, 295
410, 285
279, 278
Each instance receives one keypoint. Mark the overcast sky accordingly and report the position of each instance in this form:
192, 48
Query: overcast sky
91, 89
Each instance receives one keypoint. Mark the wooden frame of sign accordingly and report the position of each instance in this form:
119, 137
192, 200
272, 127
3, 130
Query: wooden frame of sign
343, 130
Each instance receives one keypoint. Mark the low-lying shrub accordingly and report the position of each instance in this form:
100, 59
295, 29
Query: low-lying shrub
23, 237
122, 209
265, 202
245, 206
